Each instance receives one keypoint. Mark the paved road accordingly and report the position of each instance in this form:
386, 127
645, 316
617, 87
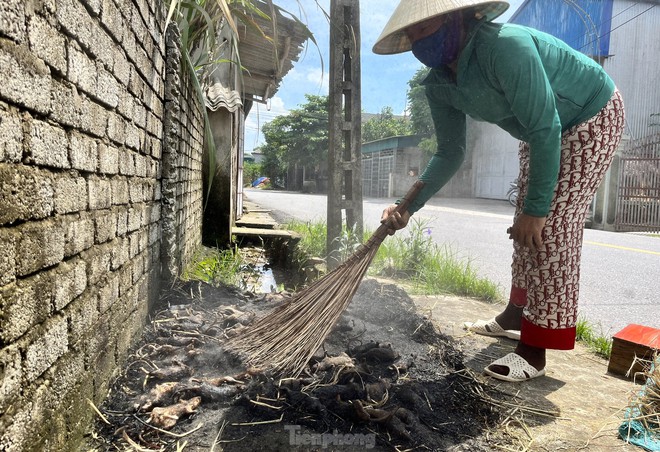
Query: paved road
620, 272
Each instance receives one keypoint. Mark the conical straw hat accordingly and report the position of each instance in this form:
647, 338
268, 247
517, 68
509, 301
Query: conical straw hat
393, 39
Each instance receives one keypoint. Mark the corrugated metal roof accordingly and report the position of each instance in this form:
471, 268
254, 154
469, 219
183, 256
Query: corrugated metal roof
218, 96
399, 142
266, 63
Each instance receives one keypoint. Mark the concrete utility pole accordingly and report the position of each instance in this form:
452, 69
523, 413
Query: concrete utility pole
345, 137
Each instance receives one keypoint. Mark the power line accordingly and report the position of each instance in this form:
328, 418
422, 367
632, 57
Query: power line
584, 19
604, 22
619, 26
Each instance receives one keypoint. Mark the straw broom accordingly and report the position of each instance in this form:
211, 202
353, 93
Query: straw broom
285, 339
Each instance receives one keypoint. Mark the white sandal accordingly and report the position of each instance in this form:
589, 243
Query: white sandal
491, 328
519, 369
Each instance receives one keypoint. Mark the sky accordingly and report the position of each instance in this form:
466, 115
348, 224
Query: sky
384, 77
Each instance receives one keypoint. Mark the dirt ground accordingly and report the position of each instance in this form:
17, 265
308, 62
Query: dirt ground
396, 373
386, 380
577, 406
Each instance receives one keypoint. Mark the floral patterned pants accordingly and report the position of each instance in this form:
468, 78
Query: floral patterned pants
546, 282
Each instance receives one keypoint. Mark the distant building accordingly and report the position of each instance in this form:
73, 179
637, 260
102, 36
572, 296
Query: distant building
622, 35
390, 166
253, 157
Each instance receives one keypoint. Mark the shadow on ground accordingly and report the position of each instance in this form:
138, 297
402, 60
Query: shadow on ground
386, 379
577, 406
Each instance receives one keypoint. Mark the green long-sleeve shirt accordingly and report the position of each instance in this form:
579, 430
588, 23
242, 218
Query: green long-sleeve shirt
530, 84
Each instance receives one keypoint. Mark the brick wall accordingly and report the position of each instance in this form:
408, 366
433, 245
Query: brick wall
95, 195
182, 163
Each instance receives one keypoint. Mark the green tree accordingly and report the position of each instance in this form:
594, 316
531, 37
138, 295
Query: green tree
385, 125
251, 171
420, 112
273, 164
298, 138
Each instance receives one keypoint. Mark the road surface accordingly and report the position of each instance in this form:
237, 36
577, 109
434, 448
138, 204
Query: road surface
620, 272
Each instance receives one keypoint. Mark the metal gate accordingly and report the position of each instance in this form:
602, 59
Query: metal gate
638, 200
377, 168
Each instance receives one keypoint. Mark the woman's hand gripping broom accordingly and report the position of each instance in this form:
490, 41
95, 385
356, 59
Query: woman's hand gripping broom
285, 339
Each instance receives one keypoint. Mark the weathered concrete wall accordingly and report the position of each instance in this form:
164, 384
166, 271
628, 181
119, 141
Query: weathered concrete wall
82, 189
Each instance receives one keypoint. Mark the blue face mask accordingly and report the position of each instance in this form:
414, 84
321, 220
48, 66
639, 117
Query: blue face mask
441, 47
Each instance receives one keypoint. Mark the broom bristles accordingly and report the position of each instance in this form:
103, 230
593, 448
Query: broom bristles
285, 339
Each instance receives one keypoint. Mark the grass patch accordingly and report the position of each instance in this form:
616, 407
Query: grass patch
411, 256
313, 243
599, 344
430, 267
214, 266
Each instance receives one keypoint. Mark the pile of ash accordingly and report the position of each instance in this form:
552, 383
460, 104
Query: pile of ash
385, 379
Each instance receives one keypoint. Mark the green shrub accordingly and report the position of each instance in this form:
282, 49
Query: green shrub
215, 266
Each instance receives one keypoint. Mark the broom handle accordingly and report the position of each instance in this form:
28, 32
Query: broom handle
383, 229
377, 237
410, 196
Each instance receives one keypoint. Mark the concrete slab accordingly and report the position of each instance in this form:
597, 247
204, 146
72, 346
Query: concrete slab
580, 406
258, 222
256, 217
264, 233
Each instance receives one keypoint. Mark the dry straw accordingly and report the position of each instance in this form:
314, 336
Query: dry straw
285, 339
648, 404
